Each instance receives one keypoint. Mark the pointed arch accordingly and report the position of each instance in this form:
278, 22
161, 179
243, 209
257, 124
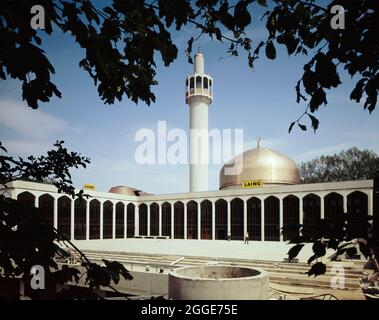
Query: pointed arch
120, 220
166, 219
206, 219
291, 217
254, 222
80, 219
64, 216
271, 219
46, 205
154, 219
130, 220
221, 223
192, 220
179, 220
94, 219
237, 219
142, 211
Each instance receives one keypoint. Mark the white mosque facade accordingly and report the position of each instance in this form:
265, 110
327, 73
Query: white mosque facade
276, 200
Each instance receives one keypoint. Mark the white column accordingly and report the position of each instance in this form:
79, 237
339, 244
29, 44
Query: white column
229, 212
113, 221
301, 213
136, 220
344, 203
172, 220
87, 220
148, 219
281, 218
35, 201
370, 199
101, 220
245, 218
198, 221
213, 220
262, 220
185, 221
322, 206
55, 213
125, 220
72, 229
160, 219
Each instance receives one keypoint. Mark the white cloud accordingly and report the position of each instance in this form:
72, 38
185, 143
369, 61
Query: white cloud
23, 120
26, 147
311, 154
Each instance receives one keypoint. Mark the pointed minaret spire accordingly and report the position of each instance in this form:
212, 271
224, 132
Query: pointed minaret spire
258, 141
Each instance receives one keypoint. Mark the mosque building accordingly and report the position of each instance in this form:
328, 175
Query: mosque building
261, 198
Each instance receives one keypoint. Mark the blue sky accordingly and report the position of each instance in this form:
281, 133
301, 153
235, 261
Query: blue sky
261, 102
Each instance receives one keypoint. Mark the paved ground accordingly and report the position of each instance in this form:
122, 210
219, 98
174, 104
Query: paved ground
267, 250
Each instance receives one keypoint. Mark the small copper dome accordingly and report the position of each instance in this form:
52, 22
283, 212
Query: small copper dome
123, 190
270, 166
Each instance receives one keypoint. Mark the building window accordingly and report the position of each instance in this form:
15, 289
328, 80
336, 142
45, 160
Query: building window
27, 199
80, 225
130, 220
179, 220
192, 85
357, 211
271, 219
192, 226
46, 205
205, 83
237, 219
206, 219
120, 220
291, 217
198, 84
154, 219
312, 211
94, 219
64, 216
254, 218
107, 219
166, 219
221, 223
333, 206
142, 219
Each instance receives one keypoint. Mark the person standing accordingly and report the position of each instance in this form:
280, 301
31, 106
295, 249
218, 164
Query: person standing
246, 238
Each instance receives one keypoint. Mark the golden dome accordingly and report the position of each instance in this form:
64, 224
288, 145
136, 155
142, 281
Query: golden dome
259, 163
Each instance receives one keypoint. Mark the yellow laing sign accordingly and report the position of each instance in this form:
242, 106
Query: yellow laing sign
89, 186
252, 183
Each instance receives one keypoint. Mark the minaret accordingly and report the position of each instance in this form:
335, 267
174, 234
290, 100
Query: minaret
199, 91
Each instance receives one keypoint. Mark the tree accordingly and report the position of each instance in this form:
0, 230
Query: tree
26, 239
344, 235
352, 164
120, 41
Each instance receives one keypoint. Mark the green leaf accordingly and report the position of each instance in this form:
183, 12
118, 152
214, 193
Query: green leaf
291, 126
270, 51
317, 269
319, 248
294, 251
315, 122
303, 127
262, 3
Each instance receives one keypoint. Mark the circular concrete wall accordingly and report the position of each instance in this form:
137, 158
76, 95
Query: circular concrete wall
218, 283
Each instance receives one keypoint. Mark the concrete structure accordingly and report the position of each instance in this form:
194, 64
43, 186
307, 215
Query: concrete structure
218, 283
199, 95
201, 215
